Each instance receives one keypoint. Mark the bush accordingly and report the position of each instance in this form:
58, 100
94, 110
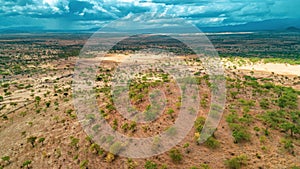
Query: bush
232, 118
212, 143
26, 163
74, 142
5, 85
287, 126
264, 104
236, 162
203, 103
288, 145
175, 155
31, 140
110, 158
170, 112
194, 167
204, 166
41, 140
288, 98
247, 118
286, 121
131, 164
6, 158
150, 165
239, 131
37, 98
125, 127
199, 123
241, 135
84, 164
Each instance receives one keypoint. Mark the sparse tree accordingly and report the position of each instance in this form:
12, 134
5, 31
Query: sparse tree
31, 140
41, 140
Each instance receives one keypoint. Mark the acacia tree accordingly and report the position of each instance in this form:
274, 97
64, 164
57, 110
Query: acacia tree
31, 140
289, 127
38, 99
41, 140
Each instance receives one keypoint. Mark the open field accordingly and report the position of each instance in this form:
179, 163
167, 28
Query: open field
260, 127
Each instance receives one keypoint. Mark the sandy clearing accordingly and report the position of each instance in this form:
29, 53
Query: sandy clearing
278, 68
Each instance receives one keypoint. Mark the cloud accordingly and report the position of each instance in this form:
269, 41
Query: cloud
200, 12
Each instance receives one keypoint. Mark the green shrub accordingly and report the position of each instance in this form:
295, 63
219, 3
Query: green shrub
241, 135
199, 123
274, 118
5, 158
203, 103
236, 162
125, 127
41, 140
247, 118
212, 143
131, 164
232, 118
288, 126
175, 155
31, 140
257, 129
164, 166
288, 145
262, 139
239, 130
74, 142
150, 165
5, 85
132, 126
194, 167
37, 98
170, 112
204, 166
288, 97
284, 120
83, 164
264, 104
26, 163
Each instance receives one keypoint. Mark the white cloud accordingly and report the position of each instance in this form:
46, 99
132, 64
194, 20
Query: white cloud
209, 13
51, 3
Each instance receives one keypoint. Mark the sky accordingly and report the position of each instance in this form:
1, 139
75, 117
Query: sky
87, 14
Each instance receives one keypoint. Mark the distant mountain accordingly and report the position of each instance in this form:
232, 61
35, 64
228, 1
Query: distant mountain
28, 29
282, 25
12, 31
293, 29
267, 25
